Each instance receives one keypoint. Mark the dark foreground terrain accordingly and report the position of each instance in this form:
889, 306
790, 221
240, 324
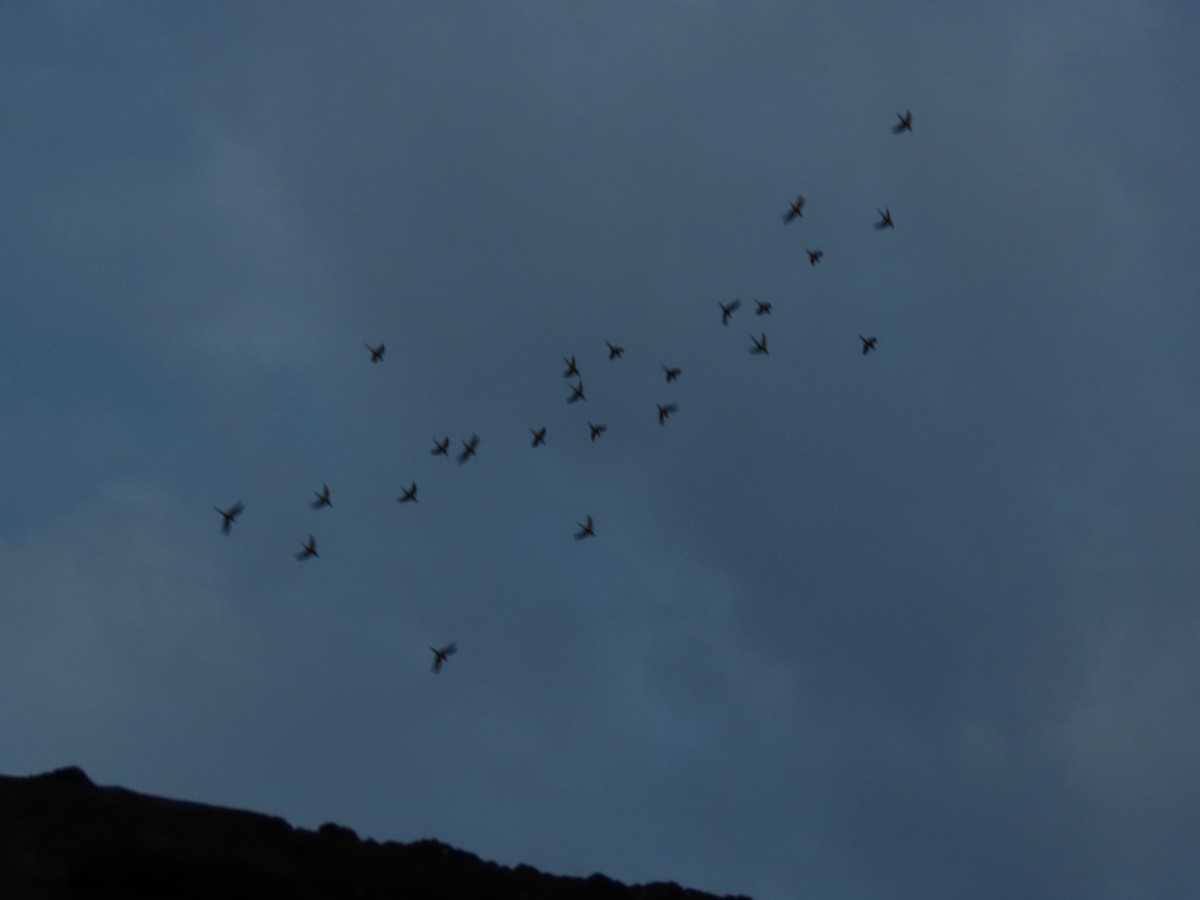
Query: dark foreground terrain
62, 836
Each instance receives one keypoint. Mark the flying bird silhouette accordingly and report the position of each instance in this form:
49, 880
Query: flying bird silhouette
614, 352
585, 529
760, 344
539, 436
576, 392
727, 311
868, 344
885, 219
468, 449
814, 256
597, 430
323, 498
376, 352
229, 516
664, 410
310, 549
572, 369
442, 447
672, 373
763, 309
440, 656
410, 494
905, 123
796, 209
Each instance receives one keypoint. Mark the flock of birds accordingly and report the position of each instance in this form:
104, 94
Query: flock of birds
587, 528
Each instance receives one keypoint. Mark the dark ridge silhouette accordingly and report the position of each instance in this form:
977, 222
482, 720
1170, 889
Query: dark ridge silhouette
61, 836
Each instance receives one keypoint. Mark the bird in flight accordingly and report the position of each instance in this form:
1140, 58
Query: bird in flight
468, 449
664, 410
322, 498
727, 311
597, 430
410, 494
586, 529
440, 656
442, 447
868, 343
763, 309
672, 373
760, 344
905, 123
576, 392
796, 209
885, 219
229, 516
310, 549
572, 369
376, 352
614, 352
539, 436
814, 256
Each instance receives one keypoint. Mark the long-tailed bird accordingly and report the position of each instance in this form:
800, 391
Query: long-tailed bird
229, 516
539, 436
664, 410
310, 549
868, 343
762, 309
442, 447
586, 529
672, 373
468, 449
597, 430
885, 219
323, 498
440, 656
727, 311
760, 345
410, 494
576, 392
905, 123
814, 256
376, 352
614, 352
796, 209
572, 369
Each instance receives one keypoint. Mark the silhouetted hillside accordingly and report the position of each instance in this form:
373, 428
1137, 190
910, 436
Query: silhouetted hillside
62, 836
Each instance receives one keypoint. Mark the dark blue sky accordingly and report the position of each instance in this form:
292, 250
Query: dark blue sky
917, 624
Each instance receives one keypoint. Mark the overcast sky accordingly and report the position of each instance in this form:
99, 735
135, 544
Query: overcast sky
921, 623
